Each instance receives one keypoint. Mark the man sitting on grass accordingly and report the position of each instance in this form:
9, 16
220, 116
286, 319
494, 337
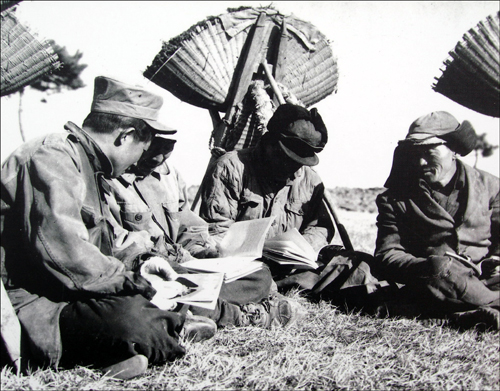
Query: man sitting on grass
438, 226
79, 302
276, 178
151, 200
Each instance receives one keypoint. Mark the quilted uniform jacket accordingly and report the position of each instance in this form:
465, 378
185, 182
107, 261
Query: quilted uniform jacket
412, 226
237, 188
56, 236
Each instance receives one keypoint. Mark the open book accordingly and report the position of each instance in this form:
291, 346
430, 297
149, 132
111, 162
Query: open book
239, 249
291, 249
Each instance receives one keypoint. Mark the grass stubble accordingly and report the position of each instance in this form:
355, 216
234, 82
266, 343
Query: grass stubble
327, 350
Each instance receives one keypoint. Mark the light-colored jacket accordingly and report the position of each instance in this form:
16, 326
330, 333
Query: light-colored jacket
412, 226
56, 235
157, 205
237, 188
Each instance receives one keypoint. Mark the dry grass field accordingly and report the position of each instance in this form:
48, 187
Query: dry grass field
327, 350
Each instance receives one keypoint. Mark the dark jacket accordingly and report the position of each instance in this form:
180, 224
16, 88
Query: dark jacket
56, 236
412, 225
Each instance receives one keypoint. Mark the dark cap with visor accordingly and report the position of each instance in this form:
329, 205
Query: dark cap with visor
300, 133
440, 127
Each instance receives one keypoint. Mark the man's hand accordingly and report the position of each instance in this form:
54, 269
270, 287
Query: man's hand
162, 277
490, 267
158, 267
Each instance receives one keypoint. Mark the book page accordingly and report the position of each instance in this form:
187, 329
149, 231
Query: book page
207, 292
245, 238
231, 267
290, 246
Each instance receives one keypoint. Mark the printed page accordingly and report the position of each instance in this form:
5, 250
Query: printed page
207, 292
245, 238
232, 267
290, 247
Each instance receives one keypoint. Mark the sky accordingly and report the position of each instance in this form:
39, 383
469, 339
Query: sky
389, 55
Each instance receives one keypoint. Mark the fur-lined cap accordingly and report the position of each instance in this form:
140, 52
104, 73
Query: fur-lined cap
440, 127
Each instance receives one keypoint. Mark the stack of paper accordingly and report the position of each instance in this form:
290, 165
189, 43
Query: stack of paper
240, 248
291, 249
231, 267
206, 293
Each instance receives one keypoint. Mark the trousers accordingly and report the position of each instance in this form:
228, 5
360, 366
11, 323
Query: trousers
453, 287
249, 289
102, 332
447, 287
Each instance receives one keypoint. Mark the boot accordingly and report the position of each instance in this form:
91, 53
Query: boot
275, 310
127, 369
198, 328
484, 318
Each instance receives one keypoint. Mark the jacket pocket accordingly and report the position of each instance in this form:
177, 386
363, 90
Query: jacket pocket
251, 206
137, 221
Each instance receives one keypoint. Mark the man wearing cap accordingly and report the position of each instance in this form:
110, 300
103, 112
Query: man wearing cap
151, 198
438, 225
274, 178
77, 300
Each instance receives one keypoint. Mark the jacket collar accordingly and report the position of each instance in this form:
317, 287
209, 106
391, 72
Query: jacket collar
468, 178
97, 158
131, 176
475, 188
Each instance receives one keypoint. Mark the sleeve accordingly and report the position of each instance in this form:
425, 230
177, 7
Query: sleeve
318, 227
220, 196
495, 226
183, 192
60, 238
392, 261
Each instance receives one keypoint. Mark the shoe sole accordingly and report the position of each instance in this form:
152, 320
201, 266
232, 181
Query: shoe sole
127, 369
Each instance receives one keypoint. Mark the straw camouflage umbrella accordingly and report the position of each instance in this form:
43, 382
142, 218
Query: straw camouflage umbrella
212, 64
246, 63
472, 72
23, 57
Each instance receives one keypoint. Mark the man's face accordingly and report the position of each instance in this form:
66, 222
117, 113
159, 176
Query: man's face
281, 167
159, 151
434, 163
126, 153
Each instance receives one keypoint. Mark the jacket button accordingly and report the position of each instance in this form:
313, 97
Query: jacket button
138, 217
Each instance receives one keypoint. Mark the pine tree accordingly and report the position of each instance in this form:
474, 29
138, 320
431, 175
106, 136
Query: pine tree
483, 147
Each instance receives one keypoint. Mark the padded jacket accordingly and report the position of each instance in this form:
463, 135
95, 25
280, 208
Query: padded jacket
237, 187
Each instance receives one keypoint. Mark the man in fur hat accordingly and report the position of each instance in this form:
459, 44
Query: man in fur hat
276, 178
438, 225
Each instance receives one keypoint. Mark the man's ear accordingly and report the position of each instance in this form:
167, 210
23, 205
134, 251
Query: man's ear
124, 135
